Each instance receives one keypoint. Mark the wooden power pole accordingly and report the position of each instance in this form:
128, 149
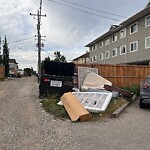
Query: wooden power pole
39, 45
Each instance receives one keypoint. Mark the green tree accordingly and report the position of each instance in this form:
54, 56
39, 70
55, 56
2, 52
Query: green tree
28, 71
59, 57
1, 60
6, 57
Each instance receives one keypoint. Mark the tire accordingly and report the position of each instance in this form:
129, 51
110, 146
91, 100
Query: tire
142, 105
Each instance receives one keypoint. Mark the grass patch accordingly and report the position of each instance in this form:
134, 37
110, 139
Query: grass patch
113, 105
50, 106
2, 79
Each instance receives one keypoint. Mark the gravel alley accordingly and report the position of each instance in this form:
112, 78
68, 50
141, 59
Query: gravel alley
24, 125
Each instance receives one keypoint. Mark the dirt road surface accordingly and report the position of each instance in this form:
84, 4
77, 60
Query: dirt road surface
25, 126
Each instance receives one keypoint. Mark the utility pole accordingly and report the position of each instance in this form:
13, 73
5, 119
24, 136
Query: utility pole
39, 45
0, 46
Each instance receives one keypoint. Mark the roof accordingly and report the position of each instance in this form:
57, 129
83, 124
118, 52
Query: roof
13, 61
127, 22
82, 56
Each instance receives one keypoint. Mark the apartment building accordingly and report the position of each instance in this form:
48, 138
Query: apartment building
126, 43
83, 59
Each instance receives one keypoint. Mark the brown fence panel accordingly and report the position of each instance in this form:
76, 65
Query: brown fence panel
121, 75
2, 71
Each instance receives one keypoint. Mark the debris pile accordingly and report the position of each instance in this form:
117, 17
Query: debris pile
94, 94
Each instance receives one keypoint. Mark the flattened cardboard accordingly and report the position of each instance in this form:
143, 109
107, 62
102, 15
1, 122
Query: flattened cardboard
74, 108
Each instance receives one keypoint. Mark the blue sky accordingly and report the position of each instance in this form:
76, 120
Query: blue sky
66, 29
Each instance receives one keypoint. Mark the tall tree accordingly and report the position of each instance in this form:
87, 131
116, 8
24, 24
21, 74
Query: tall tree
59, 57
6, 57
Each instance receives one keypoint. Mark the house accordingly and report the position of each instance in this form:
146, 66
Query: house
21, 72
83, 59
13, 66
126, 43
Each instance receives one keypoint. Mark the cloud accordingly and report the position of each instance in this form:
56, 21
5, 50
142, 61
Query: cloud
67, 30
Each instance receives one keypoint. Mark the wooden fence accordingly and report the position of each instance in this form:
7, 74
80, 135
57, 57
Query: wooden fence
2, 72
121, 75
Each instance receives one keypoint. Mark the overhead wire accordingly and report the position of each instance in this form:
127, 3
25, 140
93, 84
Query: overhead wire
85, 11
91, 13
21, 40
20, 34
94, 9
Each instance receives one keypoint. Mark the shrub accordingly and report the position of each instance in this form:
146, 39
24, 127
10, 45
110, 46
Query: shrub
134, 89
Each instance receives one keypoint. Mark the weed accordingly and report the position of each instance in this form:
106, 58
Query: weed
1, 79
134, 89
50, 105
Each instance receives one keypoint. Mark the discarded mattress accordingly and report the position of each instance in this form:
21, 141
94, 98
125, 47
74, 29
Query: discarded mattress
94, 101
74, 108
93, 80
82, 72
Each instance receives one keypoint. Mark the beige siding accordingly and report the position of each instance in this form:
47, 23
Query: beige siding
140, 55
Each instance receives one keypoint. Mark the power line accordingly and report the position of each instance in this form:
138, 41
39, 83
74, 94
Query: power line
25, 47
85, 11
91, 12
19, 34
22, 40
94, 9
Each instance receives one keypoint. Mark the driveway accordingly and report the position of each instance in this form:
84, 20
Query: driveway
25, 126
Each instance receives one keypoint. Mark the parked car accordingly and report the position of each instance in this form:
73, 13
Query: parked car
145, 93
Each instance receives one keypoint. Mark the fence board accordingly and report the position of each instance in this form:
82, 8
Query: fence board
2, 71
121, 75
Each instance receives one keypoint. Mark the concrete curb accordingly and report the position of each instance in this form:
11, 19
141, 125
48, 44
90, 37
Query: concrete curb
117, 112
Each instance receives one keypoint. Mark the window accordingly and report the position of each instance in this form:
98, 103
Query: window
114, 52
101, 56
94, 58
133, 28
107, 54
122, 33
134, 46
147, 21
91, 59
101, 44
90, 49
107, 41
147, 42
94, 47
114, 38
122, 49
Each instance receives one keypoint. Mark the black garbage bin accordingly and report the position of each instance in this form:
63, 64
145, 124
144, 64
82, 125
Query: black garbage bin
56, 79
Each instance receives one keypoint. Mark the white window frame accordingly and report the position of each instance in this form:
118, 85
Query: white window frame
101, 56
94, 47
107, 57
115, 49
147, 46
114, 37
107, 41
121, 49
123, 33
136, 23
146, 22
134, 50
101, 44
